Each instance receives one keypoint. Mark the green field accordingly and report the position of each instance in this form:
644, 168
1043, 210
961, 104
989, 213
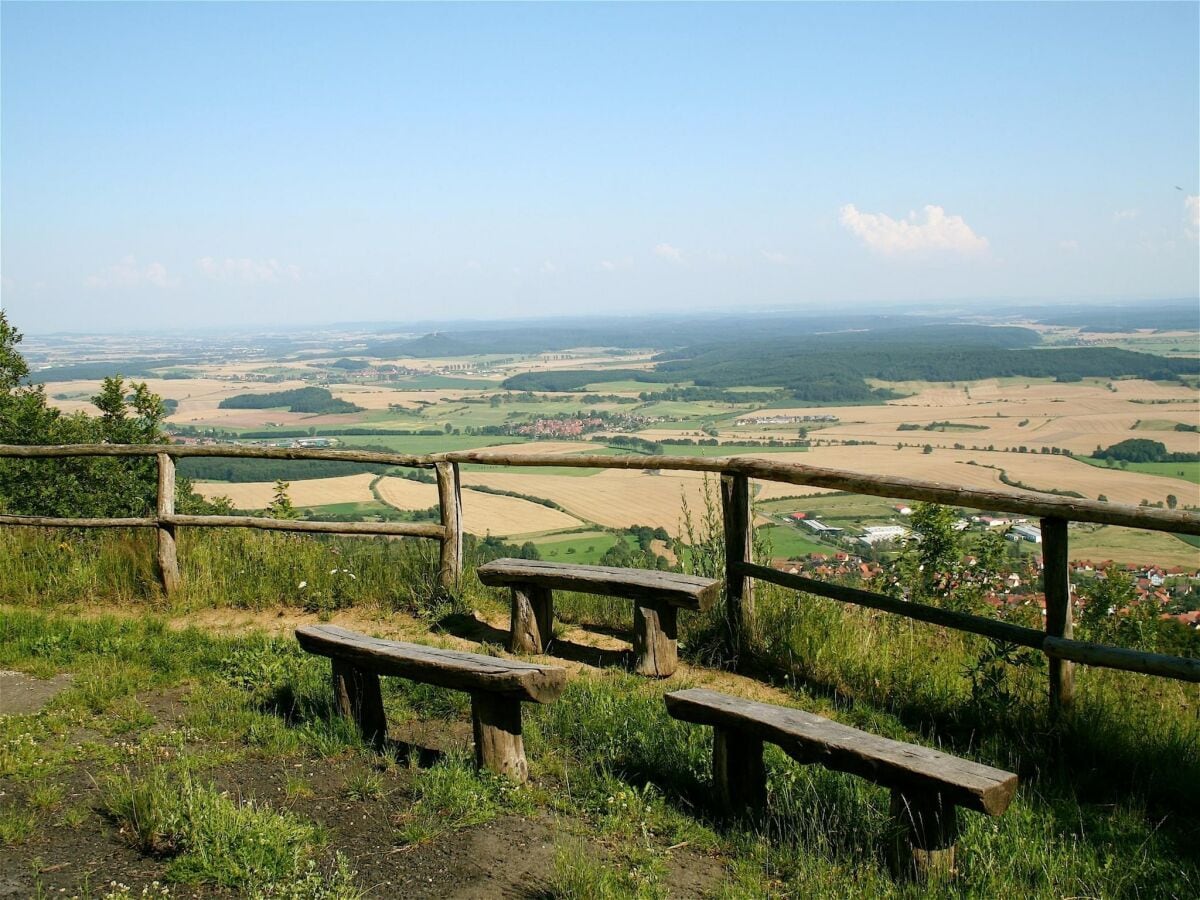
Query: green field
835, 506
630, 386
789, 542
429, 443
433, 382
723, 450
584, 549
1132, 546
358, 510
1155, 425
1188, 471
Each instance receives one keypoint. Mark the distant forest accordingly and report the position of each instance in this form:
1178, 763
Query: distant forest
833, 368
300, 400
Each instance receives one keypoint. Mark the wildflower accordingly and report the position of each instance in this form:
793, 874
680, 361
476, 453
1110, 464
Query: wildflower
302, 585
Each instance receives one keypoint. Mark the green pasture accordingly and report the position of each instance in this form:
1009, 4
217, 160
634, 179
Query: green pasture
834, 506
628, 385
1131, 546
361, 510
1156, 425
1188, 471
583, 549
421, 444
787, 541
723, 450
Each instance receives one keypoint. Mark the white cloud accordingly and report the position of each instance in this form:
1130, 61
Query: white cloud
473, 265
935, 231
669, 253
1071, 246
1192, 203
612, 265
1126, 214
247, 271
549, 268
127, 273
776, 258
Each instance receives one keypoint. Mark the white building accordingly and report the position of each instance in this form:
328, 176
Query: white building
873, 534
1025, 533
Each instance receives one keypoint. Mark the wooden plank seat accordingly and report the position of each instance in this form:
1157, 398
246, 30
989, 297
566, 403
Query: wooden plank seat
927, 785
656, 597
497, 686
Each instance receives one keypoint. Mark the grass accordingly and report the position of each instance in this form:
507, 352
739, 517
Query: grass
834, 506
359, 510
789, 542
1188, 471
585, 550
1107, 807
726, 449
1132, 546
210, 838
421, 444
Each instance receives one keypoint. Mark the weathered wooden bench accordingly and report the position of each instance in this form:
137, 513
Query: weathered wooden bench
656, 597
927, 786
497, 687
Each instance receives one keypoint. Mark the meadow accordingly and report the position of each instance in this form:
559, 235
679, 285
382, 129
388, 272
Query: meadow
194, 745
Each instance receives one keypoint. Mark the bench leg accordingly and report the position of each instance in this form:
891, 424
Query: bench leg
738, 774
356, 696
499, 747
655, 642
532, 619
927, 827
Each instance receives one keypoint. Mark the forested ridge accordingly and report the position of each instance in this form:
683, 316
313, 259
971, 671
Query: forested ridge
834, 368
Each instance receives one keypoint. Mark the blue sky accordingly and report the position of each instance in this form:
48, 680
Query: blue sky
174, 164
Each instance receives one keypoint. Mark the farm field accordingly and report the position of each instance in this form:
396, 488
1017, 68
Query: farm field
962, 467
586, 549
303, 493
1132, 546
1034, 413
1189, 471
1000, 412
482, 513
788, 542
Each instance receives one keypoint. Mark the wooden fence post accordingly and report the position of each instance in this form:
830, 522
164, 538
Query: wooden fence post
168, 555
739, 538
450, 499
1057, 580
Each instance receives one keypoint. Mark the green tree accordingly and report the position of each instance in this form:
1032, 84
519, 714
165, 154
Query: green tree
931, 553
1114, 614
81, 486
281, 505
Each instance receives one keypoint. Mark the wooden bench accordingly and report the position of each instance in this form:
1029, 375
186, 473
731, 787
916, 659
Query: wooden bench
927, 786
497, 687
656, 596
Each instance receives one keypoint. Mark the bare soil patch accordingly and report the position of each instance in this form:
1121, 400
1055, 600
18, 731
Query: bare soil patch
21, 694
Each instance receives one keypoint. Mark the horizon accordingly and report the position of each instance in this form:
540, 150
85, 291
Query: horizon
178, 166
950, 310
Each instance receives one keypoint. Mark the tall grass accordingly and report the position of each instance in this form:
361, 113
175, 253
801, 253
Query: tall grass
1110, 796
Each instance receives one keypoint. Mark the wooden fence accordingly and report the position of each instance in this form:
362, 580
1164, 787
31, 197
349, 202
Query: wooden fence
1055, 513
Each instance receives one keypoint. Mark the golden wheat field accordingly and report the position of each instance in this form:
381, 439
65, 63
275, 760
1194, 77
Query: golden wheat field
614, 498
305, 492
482, 513
1038, 471
1075, 417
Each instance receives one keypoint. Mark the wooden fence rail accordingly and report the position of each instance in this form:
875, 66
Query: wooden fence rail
735, 472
